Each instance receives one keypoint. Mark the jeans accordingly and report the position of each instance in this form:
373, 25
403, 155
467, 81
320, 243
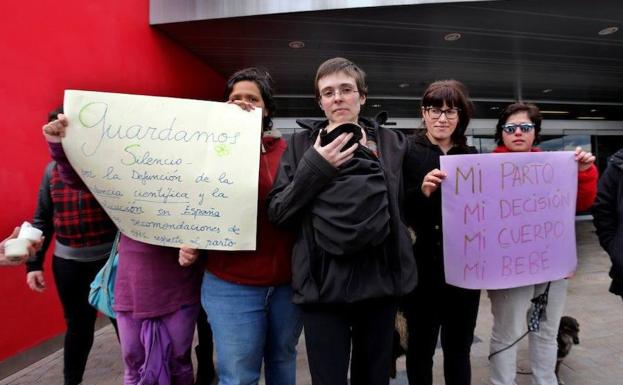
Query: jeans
510, 308
252, 324
73, 279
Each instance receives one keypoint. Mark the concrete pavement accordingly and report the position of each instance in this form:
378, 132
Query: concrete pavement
598, 360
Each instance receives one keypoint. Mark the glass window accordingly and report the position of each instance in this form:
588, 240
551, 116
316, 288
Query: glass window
573, 141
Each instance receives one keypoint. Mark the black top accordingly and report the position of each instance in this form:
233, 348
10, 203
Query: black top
424, 214
317, 277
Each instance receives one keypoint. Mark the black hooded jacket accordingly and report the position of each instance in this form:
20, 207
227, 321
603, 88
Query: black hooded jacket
307, 186
424, 214
608, 218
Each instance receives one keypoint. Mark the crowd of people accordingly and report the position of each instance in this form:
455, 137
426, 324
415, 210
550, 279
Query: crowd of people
349, 231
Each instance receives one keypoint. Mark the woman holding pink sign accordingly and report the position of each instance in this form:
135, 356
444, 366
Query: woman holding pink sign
436, 307
518, 131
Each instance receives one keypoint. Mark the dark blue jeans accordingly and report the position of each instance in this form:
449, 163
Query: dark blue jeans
252, 324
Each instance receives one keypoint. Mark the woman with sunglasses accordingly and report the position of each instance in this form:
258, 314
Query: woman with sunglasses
435, 307
517, 131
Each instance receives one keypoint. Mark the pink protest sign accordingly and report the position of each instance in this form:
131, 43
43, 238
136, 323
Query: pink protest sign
509, 219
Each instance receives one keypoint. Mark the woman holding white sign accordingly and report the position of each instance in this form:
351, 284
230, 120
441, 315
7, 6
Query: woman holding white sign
518, 130
247, 294
436, 307
156, 296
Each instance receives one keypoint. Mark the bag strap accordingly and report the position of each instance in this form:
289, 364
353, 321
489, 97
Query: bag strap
106, 270
115, 244
545, 294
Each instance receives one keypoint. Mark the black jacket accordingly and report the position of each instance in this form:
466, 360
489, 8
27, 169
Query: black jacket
424, 214
387, 269
608, 218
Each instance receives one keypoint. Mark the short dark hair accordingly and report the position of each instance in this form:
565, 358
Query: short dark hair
533, 114
455, 95
264, 82
52, 115
339, 64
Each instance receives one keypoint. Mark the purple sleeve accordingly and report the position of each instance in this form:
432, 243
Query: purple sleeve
68, 175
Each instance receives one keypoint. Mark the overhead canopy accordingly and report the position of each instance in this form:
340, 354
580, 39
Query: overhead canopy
556, 53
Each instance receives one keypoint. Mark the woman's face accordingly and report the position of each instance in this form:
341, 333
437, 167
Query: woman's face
248, 91
518, 140
438, 124
340, 99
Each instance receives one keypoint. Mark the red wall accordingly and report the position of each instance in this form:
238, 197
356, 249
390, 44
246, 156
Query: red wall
47, 47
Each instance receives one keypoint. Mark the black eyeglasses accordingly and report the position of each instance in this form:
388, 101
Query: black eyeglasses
510, 128
435, 113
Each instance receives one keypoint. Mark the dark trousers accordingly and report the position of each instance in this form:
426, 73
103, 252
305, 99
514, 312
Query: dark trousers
330, 329
451, 311
204, 350
73, 280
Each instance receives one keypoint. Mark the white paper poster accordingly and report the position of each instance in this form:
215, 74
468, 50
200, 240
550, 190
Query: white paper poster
168, 171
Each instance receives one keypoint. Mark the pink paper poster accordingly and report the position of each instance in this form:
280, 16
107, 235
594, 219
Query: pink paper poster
509, 219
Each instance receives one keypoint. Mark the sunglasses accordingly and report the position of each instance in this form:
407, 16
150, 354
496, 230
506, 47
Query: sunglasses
510, 128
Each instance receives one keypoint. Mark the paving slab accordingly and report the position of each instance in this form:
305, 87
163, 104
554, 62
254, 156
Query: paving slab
598, 360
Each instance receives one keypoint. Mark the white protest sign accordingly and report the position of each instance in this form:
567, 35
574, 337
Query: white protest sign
168, 171
509, 219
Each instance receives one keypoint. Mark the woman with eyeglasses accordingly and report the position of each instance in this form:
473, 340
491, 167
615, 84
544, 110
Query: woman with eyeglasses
435, 307
518, 130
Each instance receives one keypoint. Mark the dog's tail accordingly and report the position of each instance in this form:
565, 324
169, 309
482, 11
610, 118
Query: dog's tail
403, 332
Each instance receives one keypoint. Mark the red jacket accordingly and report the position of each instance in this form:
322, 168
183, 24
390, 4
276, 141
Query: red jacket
587, 183
270, 263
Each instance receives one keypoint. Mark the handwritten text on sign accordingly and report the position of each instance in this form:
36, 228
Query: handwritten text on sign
508, 219
168, 171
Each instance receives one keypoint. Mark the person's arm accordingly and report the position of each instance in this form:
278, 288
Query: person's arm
43, 219
297, 184
587, 179
587, 188
605, 213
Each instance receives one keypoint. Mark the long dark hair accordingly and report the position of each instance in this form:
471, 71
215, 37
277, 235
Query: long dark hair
264, 82
455, 95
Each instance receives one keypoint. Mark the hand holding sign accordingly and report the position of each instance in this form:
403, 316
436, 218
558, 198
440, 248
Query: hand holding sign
432, 180
55, 130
